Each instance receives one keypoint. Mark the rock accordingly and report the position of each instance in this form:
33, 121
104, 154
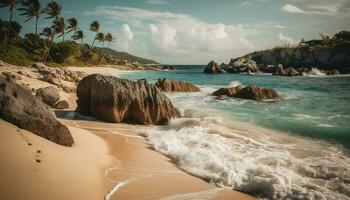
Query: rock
51, 79
176, 86
280, 71
118, 100
220, 97
291, 72
11, 77
302, 70
69, 89
242, 65
48, 95
255, 93
21, 108
62, 104
1, 63
212, 67
227, 91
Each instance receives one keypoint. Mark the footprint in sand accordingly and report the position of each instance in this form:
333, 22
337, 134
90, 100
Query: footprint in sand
35, 152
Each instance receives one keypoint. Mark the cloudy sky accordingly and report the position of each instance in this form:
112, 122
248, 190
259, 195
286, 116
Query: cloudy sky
197, 31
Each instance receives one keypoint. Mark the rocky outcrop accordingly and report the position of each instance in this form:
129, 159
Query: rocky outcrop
227, 91
11, 77
118, 100
242, 65
325, 57
49, 95
289, 71
19, 107
176, 86
250, 92
255, 93
213, 68
62, 104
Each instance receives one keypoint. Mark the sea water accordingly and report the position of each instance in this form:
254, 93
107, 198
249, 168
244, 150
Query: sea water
295, 148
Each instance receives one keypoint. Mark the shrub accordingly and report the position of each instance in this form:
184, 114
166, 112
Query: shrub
61, 51
14, 55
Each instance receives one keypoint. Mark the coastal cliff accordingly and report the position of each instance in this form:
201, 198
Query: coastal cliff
334, 57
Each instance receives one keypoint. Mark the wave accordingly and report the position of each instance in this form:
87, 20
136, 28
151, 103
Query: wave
235, 84
253, 160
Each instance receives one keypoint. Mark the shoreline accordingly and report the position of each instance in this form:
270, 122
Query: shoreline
107, 161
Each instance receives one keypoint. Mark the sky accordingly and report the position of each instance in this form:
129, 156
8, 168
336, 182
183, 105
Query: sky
197, 31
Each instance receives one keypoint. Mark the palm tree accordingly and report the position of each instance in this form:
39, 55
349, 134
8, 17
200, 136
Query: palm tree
94, 27
79, 35
59, 27
109, 38
72, 25
53, 10
12, 5
50, 34
101, 38
31, 8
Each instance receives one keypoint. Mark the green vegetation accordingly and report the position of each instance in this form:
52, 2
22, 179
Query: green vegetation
42, 47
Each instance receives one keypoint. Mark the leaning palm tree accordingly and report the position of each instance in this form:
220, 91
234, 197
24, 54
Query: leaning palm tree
79, 35
72, 25
53, 10
109, 38
101, 38
12, 5
59, 27
94, 27
49, 33
30, 9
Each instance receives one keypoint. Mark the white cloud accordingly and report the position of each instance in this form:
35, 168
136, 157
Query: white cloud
165, 36
124, 39
286, 40
318, 7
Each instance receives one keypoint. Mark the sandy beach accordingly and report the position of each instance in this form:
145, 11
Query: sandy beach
107, 161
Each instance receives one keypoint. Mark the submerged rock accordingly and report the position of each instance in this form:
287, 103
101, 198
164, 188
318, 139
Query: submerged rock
255, 93
48, 95
227, 91
176, 86
19, 107
250, 92
118, 100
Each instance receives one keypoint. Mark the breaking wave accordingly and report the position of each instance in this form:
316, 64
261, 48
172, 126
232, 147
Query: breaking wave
257, 161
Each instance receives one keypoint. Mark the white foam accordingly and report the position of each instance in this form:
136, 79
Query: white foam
235, 84
114, 189
254, 162
314, 72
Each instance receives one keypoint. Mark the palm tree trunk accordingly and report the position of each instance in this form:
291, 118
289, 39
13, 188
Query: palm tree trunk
36, 26
109, 44
9, 27
48, 51
94, 40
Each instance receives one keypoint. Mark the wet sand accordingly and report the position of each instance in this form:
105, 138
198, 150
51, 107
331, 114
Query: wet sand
139, 172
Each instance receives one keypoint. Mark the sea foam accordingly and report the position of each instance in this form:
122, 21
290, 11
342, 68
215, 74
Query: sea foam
258, 163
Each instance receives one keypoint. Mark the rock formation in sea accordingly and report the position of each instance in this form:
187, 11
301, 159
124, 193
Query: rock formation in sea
19, 107
242, 65
213, 68
250, 92
118, 100
167, 85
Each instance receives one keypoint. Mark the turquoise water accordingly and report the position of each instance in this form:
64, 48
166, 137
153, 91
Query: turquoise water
295, 148
314, 107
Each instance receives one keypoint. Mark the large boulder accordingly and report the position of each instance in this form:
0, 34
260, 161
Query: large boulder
62, 104
118, 100
19, 107
255, 93
227, 91
48, 95
212, 68
176, 86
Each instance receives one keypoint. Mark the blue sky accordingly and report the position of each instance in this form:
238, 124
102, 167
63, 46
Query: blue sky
197, 31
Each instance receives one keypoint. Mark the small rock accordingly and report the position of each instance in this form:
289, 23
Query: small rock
62, 104
255, 93
212, 67
176, 86
69, 89
227, 91
1, 63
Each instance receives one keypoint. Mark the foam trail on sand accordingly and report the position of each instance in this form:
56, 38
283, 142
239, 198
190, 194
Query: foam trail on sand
268, 166
114, 189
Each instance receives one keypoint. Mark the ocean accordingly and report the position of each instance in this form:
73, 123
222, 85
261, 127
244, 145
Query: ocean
295, 148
